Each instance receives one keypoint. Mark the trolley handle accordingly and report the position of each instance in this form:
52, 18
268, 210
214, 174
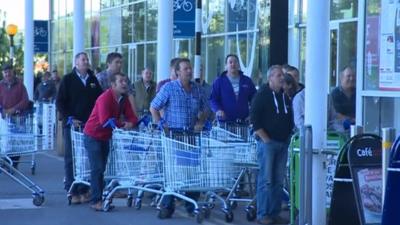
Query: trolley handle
111, 123
70, 122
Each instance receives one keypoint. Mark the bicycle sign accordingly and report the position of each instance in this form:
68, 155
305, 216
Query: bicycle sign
184, 18
40, 36
186, 5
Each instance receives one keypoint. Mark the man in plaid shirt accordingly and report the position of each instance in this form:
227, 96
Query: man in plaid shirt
184, 106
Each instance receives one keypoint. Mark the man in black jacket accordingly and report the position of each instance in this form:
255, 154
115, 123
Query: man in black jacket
272, 118
76, 98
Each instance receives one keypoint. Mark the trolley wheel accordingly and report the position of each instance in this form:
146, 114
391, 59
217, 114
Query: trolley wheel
129, 201
233, 205
206, 212
229, 216
138, 203
69, 199
33, 169
38, 199
199, 216
107, 206
251, 213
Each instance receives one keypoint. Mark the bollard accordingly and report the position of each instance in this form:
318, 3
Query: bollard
388, 136
306, 154
355, 130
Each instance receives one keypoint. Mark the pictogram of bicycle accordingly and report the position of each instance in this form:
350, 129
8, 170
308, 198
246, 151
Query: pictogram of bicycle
186, 5
242, 5
40, 31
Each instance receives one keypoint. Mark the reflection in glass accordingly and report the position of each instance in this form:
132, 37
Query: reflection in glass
343, 9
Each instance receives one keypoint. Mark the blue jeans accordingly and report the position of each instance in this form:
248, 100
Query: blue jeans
98, 154
272, 158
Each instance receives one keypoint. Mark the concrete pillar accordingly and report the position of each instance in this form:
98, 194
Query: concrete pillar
164, 38
79, 27
28, 48
317, 71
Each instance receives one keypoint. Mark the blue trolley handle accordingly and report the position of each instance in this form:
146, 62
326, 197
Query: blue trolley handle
111, 123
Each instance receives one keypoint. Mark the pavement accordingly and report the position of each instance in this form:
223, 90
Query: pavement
16, 206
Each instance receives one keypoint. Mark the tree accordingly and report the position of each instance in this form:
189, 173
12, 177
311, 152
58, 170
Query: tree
5, 49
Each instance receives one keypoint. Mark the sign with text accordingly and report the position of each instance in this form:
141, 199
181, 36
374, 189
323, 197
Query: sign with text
184, 18
41, 36
365, 159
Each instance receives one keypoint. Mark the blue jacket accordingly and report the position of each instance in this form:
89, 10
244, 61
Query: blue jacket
223, 97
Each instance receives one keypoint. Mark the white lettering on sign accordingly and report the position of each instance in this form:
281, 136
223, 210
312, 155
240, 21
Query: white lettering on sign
366, 152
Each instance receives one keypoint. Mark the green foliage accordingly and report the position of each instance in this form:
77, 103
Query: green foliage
5, 50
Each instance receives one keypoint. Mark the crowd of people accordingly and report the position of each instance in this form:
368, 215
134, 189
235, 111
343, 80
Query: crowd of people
275, 111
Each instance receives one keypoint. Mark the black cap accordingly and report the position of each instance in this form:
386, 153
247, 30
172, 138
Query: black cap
6, 66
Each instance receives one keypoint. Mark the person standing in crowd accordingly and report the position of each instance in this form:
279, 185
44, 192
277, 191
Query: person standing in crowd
232, 92
294, 72
76, 98
272, 119
55, 77
343, 101
184, 107
46, 91
202, 82
113, 103
114, 65
144, 91
298, 109
289, 85
172, 74
13, 97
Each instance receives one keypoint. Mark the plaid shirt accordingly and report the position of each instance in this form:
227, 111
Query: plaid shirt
181, 108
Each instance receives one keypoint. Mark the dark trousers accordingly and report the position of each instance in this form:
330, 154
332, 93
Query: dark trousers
98, 154
68, 165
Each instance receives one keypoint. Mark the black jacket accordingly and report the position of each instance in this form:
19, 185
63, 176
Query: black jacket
269, 113
75, 99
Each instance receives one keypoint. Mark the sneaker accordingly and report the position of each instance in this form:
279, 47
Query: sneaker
280, 220
75, 199
97, 206
266, 221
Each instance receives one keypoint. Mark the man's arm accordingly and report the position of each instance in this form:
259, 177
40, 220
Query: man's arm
23, 103
62, 99
155, 114
215, 99
257, 114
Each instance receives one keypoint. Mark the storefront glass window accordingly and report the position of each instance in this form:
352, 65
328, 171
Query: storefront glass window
139, 12
343, 9
380, 112
372, 52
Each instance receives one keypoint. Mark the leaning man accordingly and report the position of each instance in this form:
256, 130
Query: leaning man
113, 103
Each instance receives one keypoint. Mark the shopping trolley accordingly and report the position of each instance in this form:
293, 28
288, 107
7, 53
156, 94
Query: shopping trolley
17, 139
238, 136
81, 166
135, 162
45, 117
193, 163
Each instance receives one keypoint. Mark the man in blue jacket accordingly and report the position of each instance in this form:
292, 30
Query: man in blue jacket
232, 92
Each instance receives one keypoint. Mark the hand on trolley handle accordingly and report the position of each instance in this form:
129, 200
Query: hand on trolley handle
74, 122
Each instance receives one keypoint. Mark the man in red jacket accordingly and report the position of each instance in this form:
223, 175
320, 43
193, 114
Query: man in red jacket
113, 103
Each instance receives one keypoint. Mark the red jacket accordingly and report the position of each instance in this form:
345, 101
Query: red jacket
107, 107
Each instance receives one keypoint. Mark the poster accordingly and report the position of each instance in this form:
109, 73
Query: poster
389, 68
370, 187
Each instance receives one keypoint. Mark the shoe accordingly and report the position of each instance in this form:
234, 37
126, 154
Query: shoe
85, 198
266, 221
280, 220
97, 206
75, 199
